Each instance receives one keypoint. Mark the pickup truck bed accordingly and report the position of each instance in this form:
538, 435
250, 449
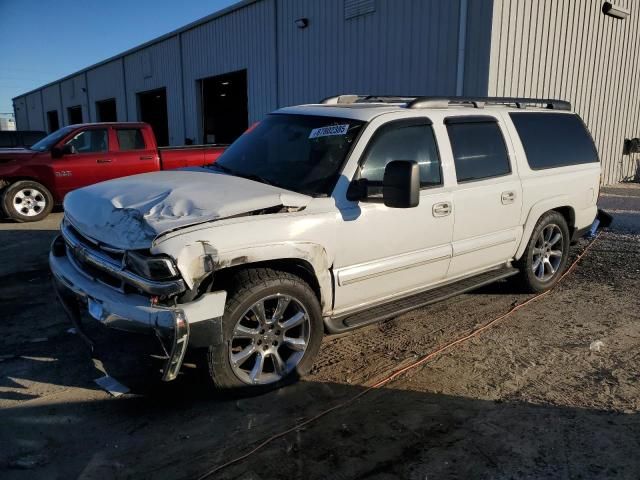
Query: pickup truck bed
33, 179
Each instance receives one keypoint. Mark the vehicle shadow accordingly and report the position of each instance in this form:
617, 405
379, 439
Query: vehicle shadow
388, 433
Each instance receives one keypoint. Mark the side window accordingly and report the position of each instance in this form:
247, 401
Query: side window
554, 139
130, 139
479, 150
402, 141
90, 141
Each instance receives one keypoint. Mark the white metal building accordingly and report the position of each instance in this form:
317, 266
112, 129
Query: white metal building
208, 81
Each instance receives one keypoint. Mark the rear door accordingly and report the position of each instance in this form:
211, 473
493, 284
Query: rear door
134, 154
487, 200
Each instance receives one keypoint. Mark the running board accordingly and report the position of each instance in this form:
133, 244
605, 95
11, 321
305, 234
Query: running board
394, 308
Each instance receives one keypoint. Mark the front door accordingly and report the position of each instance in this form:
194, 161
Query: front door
89, 162
488, 198
385, 252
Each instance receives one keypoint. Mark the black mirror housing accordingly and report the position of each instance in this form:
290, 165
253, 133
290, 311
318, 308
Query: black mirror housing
56, 152
401, 184
69, 149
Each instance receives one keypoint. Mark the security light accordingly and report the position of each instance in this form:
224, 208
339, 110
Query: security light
615, 11
302, 23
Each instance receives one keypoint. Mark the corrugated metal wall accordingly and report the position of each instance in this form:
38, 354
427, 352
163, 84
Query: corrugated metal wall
20, 110
34, 111
157, 66
403, 47
51, 101
74, 93
243, 39
107, 81
569, 49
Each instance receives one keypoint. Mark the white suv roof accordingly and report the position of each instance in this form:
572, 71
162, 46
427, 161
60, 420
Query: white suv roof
366, 108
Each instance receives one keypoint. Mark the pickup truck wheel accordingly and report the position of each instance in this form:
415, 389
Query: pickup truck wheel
545, 257
272, 329
27, 201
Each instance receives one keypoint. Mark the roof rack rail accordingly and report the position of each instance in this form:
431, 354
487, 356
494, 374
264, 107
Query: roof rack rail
349, 99
413, 101
479, 102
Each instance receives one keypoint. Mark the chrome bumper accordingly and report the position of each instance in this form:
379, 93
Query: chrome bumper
196, 323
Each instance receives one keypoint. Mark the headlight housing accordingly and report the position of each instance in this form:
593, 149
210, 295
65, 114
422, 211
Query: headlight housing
153, 268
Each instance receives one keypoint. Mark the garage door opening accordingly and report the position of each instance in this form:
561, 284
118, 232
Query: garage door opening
106, 110
53, 123
224, 107
152, 109
74, 114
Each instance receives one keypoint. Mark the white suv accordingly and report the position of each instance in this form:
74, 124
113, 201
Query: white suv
323, 218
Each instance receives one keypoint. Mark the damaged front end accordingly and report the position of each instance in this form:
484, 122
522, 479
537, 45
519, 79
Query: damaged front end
133, 293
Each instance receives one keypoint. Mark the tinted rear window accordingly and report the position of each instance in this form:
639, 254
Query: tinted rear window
554, 139
130, 139
479, 151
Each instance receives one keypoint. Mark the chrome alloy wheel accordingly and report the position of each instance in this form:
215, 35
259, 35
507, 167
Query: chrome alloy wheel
29, 202
269, 340
547, 252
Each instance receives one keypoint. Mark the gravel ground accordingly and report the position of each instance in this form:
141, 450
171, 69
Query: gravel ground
527, 398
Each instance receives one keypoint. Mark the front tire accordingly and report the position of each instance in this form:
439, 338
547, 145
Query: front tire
272, 330
545, 257
27, 201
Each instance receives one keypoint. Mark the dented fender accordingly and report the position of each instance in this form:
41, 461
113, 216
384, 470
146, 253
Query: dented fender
197, 260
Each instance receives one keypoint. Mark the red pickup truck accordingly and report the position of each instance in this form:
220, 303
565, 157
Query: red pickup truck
32, 180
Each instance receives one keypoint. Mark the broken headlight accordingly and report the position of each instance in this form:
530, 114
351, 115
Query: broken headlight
153, 268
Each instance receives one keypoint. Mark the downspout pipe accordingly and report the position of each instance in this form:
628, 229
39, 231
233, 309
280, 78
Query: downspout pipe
462, 41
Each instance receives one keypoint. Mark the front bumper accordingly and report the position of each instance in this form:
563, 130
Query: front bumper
195, 324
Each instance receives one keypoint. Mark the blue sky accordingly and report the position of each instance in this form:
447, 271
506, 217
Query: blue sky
43, 40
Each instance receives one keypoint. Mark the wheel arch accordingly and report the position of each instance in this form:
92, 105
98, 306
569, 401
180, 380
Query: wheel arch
558, 204
308, 261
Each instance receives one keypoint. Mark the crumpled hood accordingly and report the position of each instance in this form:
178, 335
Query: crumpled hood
130, 212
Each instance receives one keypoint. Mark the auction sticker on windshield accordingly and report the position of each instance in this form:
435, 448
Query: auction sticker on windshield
329, 131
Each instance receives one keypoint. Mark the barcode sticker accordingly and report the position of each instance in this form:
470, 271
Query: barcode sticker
329, 131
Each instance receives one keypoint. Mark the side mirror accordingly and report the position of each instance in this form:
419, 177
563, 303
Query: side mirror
69, 149
56, 152
59, 152
401, 184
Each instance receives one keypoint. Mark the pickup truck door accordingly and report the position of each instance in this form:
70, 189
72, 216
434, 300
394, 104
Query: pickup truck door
134, 152
487, 200
79, 169
385, 252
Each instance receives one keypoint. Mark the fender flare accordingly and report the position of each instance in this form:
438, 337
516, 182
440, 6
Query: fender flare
536, 211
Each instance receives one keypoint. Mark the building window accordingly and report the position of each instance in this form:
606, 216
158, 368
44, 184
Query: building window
357, 8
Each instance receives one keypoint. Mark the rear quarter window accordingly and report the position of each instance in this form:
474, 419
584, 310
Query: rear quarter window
130, 139
553, 140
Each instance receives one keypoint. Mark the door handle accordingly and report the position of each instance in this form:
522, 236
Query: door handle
103, 160
146, 157
441, 209
508, 197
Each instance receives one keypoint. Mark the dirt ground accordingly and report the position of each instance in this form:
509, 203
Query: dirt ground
527, 398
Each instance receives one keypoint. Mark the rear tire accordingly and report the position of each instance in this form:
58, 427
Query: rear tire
274, 347
545, 258
27, 201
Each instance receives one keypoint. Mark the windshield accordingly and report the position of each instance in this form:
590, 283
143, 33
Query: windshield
50, 140
302, 153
